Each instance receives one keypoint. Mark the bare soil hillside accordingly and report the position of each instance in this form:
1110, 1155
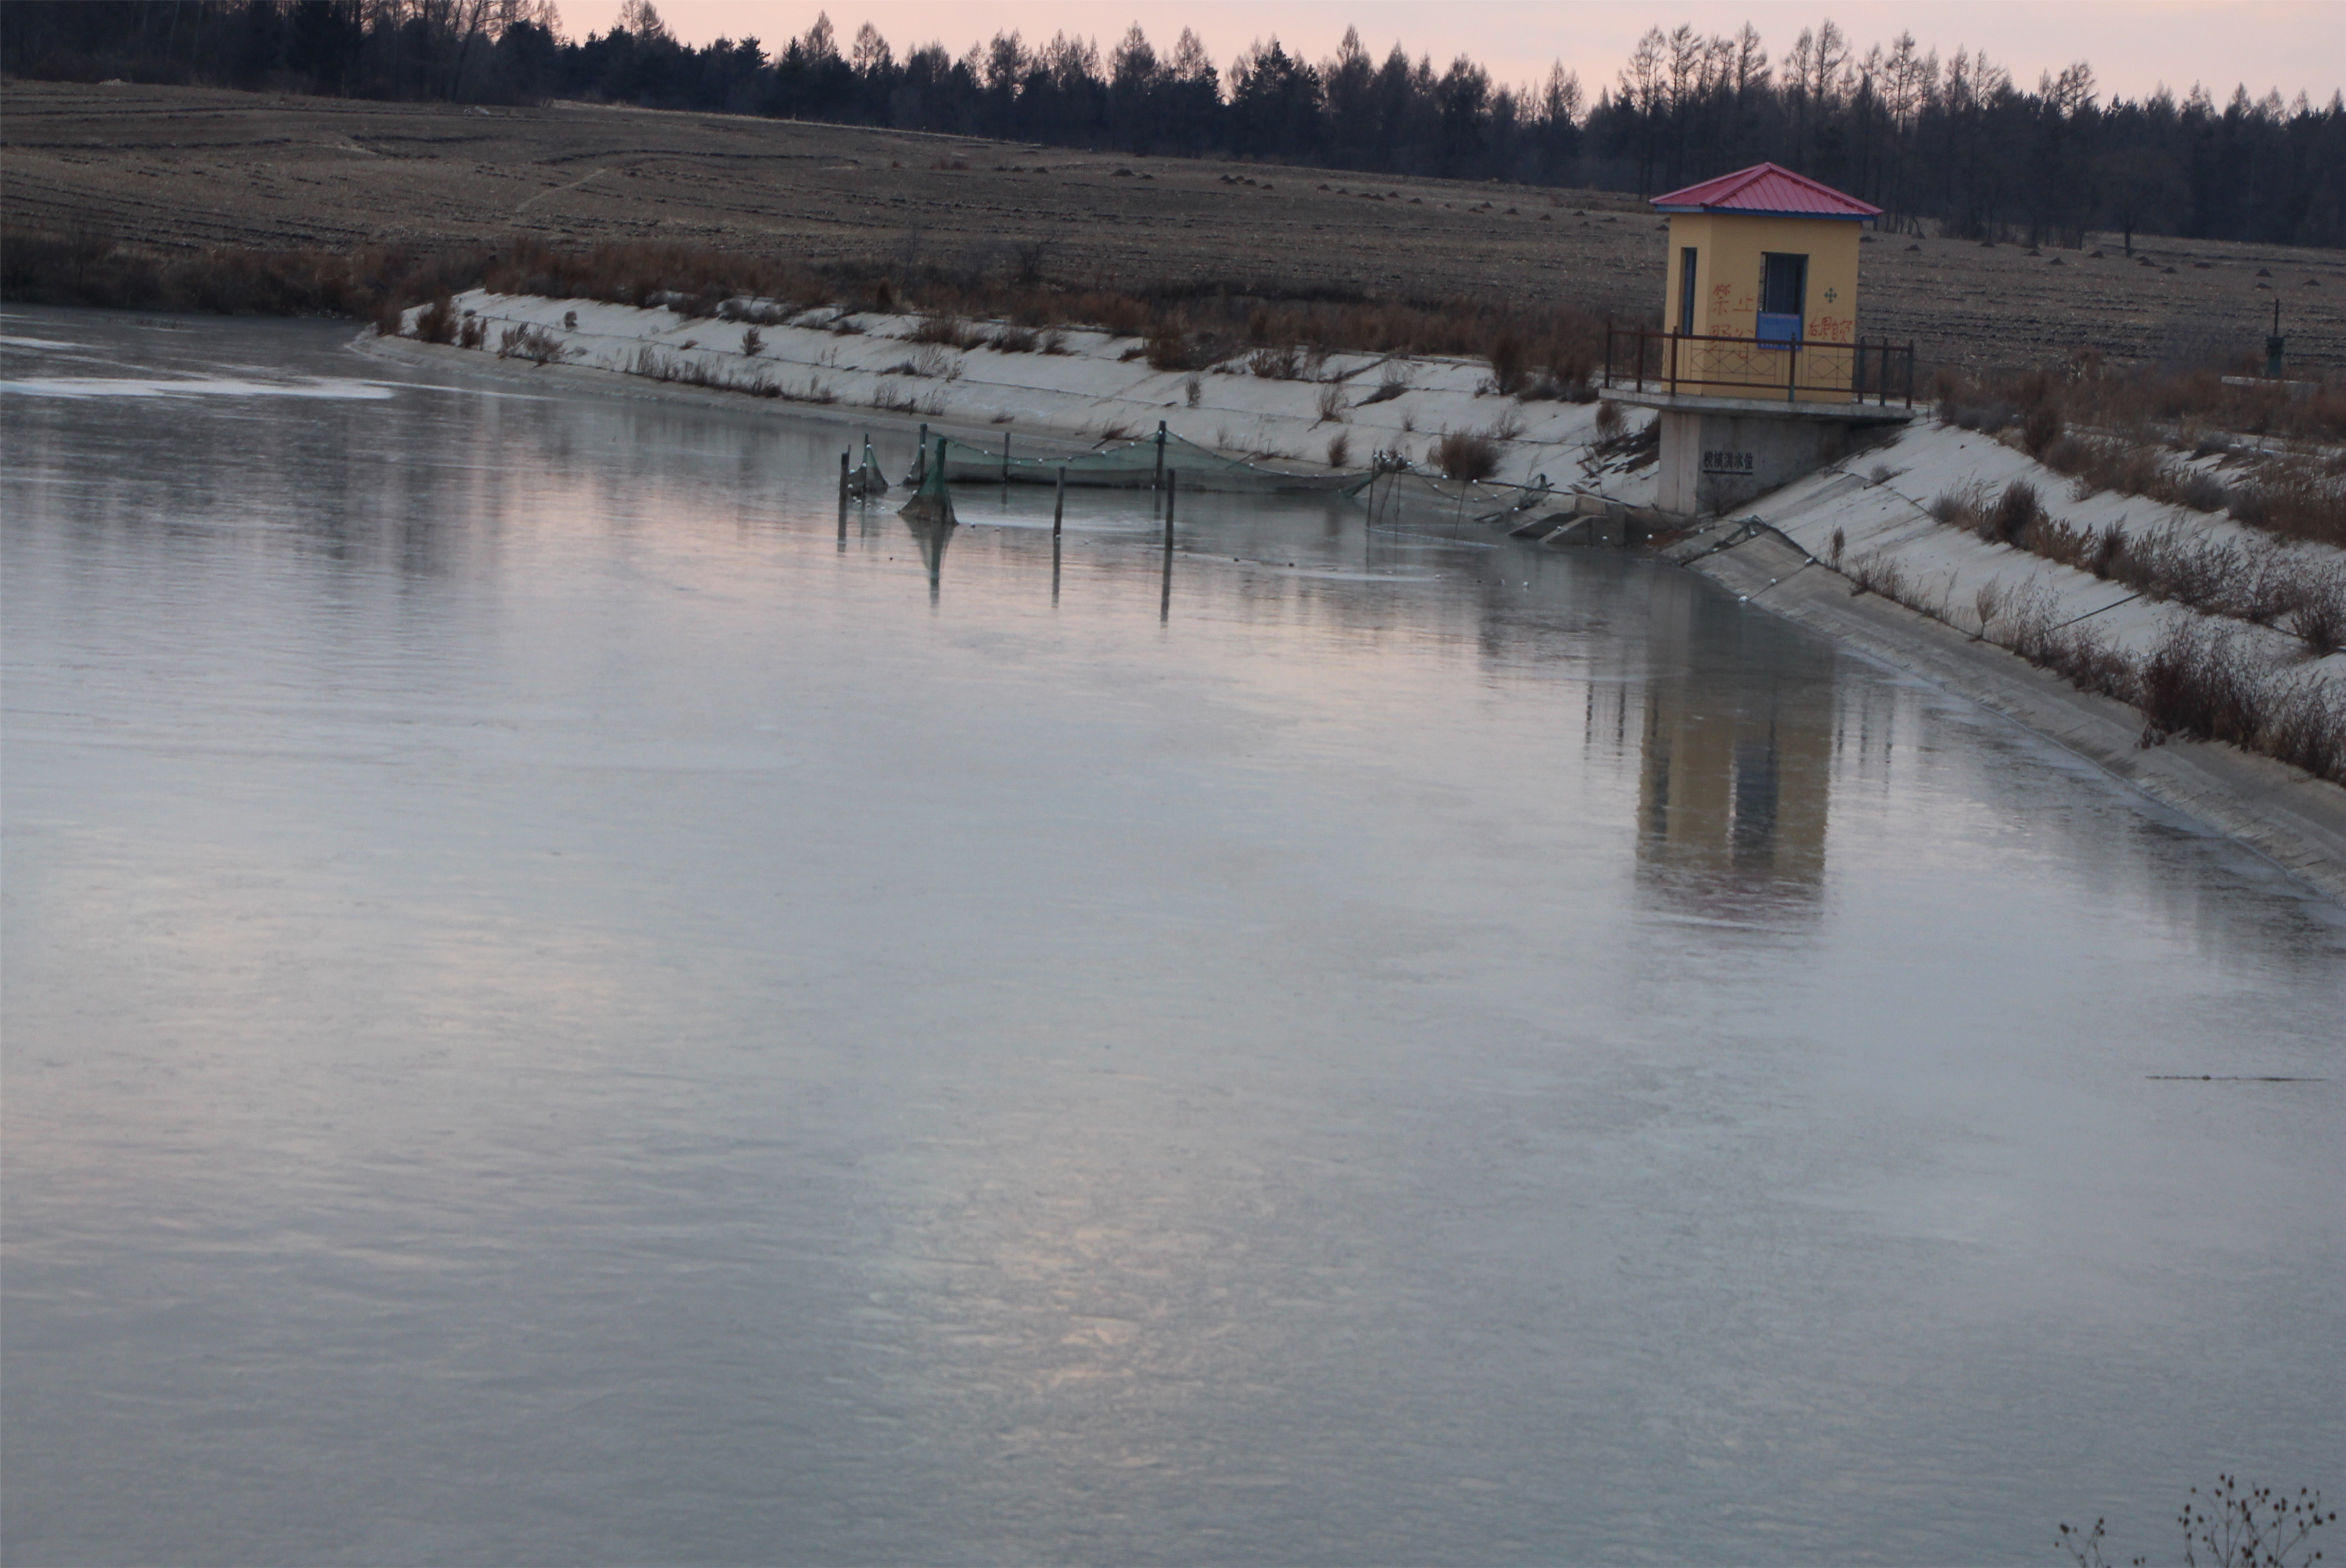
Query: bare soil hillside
182, 168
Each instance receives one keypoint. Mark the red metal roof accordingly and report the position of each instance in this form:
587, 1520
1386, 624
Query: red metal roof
1766, 189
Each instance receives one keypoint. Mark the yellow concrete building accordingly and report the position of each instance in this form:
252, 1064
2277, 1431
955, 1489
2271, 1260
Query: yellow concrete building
1761, 298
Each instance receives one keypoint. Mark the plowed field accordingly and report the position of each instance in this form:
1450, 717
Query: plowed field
177, 169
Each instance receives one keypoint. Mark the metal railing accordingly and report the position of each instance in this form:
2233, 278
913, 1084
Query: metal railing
1648, 359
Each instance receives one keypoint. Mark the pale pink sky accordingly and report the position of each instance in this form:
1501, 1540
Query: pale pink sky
2296, 45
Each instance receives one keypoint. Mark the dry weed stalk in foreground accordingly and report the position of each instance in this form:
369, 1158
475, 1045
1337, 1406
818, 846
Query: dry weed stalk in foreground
2234, 1528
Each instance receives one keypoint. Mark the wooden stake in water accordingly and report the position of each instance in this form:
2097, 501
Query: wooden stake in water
1006, 457
1172, 487
843, 479
1060, 507
1157, 481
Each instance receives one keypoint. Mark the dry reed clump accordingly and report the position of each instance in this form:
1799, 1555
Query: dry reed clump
1340, 449
757, 312
1876, 572
1169, 346
1392, 380
693, 280
1510, 357
2132, 468
2041, 428
2032, 629
85, 266
2016, 512
2199, 684
2301, 496
1987, 600
2028, 619
436, 324
1117, 315
2297, 498
2267, 582
2319, 611
930, 362
1616, 439
1282, 363
538, 345
2091, 393
1557, 364
1467, 455
946, 329
654, 364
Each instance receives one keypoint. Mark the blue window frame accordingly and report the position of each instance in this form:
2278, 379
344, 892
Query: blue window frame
1783, 296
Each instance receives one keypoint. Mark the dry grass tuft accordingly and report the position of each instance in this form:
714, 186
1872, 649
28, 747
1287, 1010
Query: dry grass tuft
1169, 347
2299, 496
1392, 380
2199, 684
436, 324
946, 330
1467, 455
533, 343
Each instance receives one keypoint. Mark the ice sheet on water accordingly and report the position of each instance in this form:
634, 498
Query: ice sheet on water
193, 386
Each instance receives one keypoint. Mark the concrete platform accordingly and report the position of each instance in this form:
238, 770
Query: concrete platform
1721, 452
1852, 412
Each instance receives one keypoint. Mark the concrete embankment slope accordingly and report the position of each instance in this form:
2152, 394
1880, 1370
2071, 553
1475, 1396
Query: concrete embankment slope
881, 377
2294, 819
1283, 408
1873, 513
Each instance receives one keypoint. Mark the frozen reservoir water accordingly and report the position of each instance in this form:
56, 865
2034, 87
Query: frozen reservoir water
562, 1006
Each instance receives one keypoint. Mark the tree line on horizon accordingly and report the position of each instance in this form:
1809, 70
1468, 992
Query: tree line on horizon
1957, 143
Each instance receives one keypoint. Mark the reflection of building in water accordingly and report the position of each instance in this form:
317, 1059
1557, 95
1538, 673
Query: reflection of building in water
1737, 757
